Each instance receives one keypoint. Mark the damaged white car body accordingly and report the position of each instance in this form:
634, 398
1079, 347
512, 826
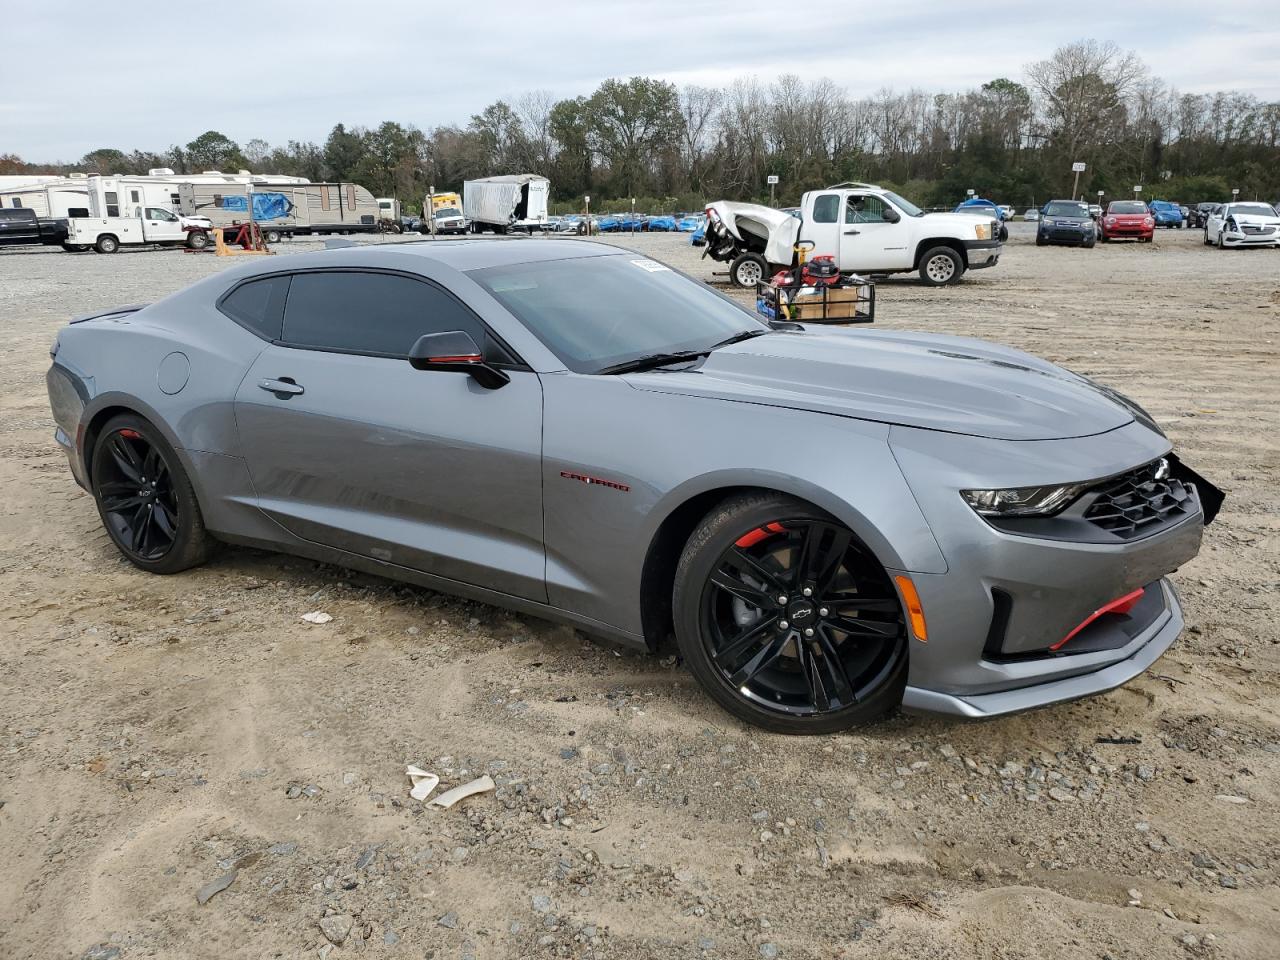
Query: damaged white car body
1243, 225
865, 229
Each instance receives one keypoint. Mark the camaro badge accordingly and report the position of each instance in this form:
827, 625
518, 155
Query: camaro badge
583, 478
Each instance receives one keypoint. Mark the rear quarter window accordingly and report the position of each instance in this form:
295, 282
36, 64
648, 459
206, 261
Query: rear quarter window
258, 306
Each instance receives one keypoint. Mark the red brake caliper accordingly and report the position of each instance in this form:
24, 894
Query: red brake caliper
759, 533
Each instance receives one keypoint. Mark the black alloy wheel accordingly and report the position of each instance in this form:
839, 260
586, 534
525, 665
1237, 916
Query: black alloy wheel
145, 499
798, 627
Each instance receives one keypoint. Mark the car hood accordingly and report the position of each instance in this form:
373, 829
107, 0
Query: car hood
1255, 219
952, 384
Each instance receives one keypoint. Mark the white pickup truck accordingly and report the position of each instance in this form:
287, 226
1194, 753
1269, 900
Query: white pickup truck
156, 225
864, 228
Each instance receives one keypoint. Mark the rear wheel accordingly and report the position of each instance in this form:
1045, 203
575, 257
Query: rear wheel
747, 270
271, 236
107, 244
145, 499
941, 266
787, 620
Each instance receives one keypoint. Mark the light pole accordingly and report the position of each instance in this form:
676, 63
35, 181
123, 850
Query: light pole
430, 210
586, 199
633, 214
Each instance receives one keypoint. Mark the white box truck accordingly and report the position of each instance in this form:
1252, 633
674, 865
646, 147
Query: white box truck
516, 201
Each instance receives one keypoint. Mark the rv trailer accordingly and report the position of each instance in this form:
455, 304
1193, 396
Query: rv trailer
282, 209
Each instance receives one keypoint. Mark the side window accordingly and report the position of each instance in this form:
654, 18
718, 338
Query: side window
258, 305
826, 208
351, 196
864, 210
134, 196
113, 203
324, 197
375, 313
158, 213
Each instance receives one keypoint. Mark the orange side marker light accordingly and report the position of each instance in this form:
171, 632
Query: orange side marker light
914, 611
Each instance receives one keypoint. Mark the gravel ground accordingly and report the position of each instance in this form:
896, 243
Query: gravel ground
166, 737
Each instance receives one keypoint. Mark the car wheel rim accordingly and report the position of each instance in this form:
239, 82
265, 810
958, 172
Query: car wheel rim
941, 268
135, 490
749, 273
799, 619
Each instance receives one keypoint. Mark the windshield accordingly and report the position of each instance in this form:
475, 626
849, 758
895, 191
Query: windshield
597, 312
980, 209
906, 206
1127, 206
447, 212
1252, 209
1066, 209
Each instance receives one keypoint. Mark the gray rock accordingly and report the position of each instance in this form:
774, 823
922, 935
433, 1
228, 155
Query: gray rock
768, 950
568, 753
101, 952
1146, 773
1203, 861
206, 893
336, 928
391, 938
449, 921
1061, 795
283, 849
366, 857
1228, 881
541, 904
311, 790
293, 792
706, 943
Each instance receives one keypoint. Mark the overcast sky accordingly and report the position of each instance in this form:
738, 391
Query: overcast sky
79, 74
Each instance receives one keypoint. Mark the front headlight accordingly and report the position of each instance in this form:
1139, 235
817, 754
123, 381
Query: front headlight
1022, 501
984, 231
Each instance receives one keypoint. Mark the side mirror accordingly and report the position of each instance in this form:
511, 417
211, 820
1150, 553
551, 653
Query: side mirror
455, 350
891, 215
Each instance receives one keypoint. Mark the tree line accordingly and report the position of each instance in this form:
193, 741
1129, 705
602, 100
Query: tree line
674, 147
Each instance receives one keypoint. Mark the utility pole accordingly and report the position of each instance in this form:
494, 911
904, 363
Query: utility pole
772, 180
430, 211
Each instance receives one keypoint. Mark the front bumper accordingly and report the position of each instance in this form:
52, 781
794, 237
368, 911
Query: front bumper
1230, 239
1029, 692
998, 617
1070, 235
982, 253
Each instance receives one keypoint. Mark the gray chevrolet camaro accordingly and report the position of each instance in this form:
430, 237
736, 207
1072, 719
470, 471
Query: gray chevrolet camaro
830, 522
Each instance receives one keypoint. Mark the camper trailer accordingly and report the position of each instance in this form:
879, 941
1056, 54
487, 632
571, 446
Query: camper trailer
126, 211
513, 202
281, 209
52, 197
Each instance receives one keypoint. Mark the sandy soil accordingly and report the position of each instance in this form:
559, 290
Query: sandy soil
153, 727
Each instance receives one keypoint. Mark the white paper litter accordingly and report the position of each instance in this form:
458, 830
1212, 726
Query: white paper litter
479, 785
316, 616
423, 782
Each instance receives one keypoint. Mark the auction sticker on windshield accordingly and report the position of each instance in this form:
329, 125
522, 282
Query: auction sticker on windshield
653, 266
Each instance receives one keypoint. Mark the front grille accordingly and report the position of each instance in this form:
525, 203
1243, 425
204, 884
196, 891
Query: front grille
1139, 502
1256, 231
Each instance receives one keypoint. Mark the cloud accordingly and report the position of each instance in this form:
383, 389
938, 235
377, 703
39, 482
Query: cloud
151, 74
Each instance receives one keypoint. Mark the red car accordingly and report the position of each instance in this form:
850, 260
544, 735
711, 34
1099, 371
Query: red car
1126, 218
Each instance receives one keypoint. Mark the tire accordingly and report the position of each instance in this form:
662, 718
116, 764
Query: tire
1088, 244
1207, 241
1003, 234
940, 266
107, 244
771, 675
1220, 244
1102, 237
72, 247
197, 240
130, 441
271, 236
747, 270
1040, 241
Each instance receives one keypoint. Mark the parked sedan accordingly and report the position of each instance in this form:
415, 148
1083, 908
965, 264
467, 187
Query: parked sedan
1243, 225
557, 428
1200, 213
1031, 215
1066, 222
1126, 218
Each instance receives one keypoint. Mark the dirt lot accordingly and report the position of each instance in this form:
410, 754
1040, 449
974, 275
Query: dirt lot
153, 727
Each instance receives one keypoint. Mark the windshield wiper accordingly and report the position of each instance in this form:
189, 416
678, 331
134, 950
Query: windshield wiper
662, 359
653, 360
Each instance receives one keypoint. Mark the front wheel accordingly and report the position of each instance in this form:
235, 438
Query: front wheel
145, 499
747, 270
941, 266
787, 620
197, 240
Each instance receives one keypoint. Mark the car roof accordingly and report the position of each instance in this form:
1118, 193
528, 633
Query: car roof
464, 254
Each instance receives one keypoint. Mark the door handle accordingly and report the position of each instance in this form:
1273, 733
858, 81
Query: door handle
284, 387
850, 233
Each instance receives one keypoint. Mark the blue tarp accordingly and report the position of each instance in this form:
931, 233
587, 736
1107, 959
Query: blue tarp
266, 206
662, 223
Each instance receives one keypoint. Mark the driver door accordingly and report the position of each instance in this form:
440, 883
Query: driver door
350, 447
161, 226
868, 240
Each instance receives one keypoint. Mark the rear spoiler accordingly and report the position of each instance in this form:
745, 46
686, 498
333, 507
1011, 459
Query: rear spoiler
117, 311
